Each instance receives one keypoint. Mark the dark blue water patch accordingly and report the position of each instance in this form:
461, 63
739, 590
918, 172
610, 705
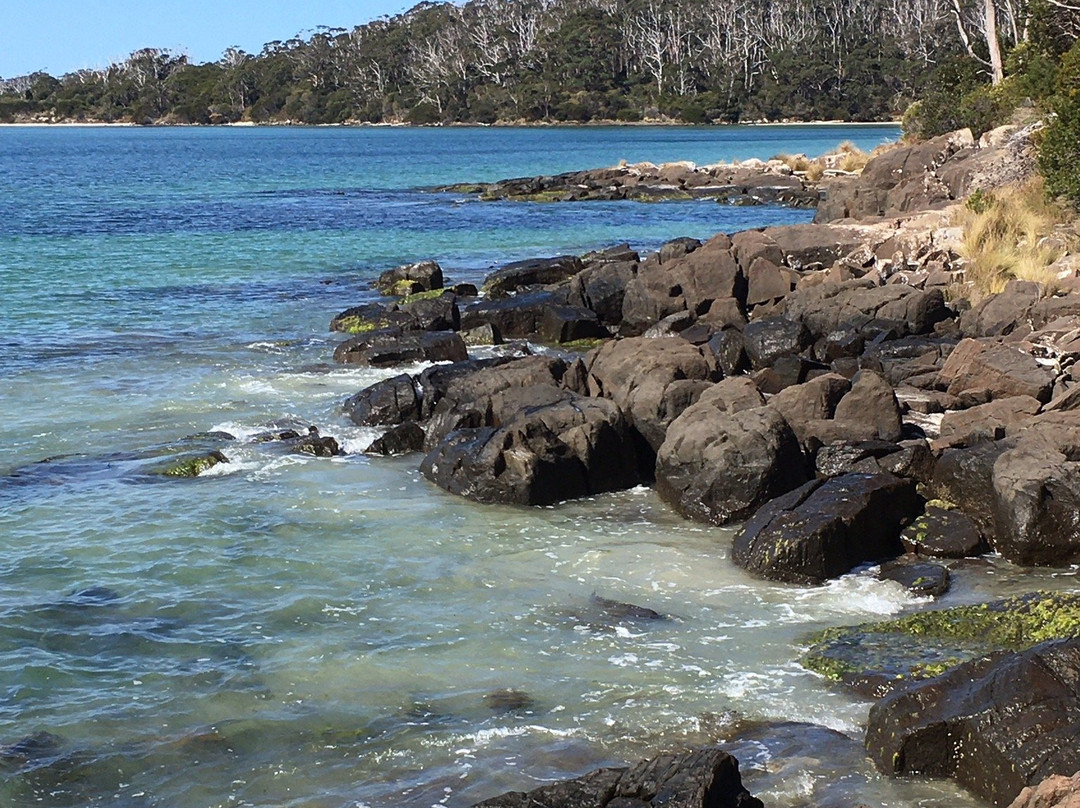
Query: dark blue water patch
358, 210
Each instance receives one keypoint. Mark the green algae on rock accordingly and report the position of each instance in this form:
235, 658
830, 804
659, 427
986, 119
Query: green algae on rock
874, 657
194, 466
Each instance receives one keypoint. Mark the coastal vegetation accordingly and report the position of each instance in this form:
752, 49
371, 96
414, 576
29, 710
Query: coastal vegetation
488, 61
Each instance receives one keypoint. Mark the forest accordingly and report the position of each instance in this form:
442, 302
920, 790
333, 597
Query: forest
522, 61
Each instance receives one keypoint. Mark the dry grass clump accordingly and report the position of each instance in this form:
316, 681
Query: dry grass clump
1004, 234
796, 162
851, 157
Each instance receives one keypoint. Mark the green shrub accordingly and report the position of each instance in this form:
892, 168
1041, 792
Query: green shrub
423, 114
1059, 152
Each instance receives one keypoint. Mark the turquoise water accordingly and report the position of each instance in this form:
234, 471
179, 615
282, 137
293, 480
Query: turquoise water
307, 632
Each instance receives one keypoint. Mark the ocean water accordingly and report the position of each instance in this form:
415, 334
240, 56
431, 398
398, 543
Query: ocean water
292, 631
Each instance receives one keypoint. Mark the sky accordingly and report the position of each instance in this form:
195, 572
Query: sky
59, 36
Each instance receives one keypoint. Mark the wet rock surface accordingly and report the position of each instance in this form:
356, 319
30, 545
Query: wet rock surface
706, 778
995, 724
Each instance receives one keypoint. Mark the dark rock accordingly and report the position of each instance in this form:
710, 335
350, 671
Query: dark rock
943, 534
995, 725
814, 400
836, 459
517, 317
719, 466
690, 283
999, 315
676, 248
749, 245
921, 578
411, 278
803, 245
602, 288
904, 178
864, 306
766, 281
965, 478
401, 439
93, 596
314, 444
617, 610
569, 323
369, 317
670, 326
770, 339
531, 272
870, 408
476, 395
652, 380
394, 347
706, 778
785, 372
434, 313
617, 254
1004, 370
38, 748
825, 529
552, 445
1037, 502
486, 334
729, 349
991, 421
392, 401
509, 701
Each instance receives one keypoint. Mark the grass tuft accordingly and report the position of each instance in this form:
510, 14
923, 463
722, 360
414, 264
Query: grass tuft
1003, 237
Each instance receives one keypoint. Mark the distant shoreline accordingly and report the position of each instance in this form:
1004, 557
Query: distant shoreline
402, 125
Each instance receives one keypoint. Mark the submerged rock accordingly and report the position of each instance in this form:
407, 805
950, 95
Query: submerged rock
706, 778
874, 658
995, 724
193, 466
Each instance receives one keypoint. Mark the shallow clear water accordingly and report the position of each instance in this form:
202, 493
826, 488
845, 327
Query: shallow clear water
307, 632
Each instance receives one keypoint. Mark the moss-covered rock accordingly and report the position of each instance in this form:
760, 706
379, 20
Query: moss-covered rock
874, 657
193, 466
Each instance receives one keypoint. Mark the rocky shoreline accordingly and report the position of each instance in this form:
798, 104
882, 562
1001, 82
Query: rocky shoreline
837, 388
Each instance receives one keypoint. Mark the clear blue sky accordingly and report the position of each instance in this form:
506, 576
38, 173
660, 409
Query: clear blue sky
64, 35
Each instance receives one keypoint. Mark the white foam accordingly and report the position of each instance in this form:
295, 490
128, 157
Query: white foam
857, 593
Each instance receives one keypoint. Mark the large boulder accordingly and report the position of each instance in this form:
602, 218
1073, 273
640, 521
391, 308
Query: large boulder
870, 408
773, 338
692, 282
1001, 369
1022, 492
386, 403
705, 778
904, 178
719, 466
807, 245
531, 272
475, 397
652, 380
411, 278
392, 346
827, 528
601, 288
864, 306
515, 317
552, 445
995, 725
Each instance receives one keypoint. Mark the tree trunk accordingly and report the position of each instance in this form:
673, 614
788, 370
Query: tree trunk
997, 74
